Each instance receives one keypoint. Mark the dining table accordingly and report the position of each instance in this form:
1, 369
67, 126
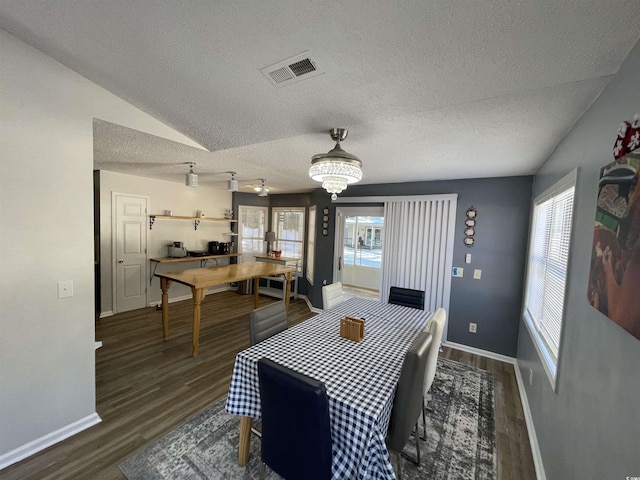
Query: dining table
199, 279
360, 379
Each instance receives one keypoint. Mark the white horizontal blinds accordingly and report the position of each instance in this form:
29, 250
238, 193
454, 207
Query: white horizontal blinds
311, 243
288, 224
418, 248
251, 232
548, 266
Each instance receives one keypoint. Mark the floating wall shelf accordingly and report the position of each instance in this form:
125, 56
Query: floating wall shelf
196, 220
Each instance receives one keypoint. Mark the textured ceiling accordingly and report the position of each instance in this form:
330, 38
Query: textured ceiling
428, 90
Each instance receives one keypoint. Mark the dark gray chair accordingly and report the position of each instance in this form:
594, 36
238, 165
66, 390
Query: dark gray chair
296, 430
407, 297
407, 404
266, 321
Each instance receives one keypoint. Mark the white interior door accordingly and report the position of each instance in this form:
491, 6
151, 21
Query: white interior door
130, 260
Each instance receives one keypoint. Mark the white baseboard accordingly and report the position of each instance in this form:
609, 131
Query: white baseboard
47, 440
482, 353
106, 314
531, 431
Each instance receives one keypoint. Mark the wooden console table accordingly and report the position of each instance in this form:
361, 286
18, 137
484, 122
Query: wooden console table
201, 278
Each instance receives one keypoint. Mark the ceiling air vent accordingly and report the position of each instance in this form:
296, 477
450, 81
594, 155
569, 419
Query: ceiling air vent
292, 70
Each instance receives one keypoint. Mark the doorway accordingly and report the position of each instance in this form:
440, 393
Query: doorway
358, 253
129, 240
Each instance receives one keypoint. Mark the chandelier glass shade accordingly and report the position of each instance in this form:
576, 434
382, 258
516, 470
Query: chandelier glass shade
336, 169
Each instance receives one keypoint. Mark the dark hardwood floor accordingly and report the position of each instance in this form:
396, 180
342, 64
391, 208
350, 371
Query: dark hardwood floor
145, 386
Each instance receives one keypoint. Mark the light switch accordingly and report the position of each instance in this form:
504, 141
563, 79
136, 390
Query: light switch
65, 288
477, 274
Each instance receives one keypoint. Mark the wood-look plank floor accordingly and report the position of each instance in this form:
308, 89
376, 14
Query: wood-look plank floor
146, 386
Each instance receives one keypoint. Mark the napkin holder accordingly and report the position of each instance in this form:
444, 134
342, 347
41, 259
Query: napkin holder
352, 328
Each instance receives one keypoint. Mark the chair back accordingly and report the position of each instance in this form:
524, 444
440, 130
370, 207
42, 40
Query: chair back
407, 404
407, 297
332, 295
296, 431
266, 321
435, 327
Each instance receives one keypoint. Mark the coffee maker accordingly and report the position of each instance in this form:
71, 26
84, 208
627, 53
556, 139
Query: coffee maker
213, 248
224, 248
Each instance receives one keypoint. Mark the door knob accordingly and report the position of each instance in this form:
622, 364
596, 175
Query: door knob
120, 261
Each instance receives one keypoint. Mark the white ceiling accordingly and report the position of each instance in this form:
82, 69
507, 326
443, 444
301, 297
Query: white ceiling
428, 89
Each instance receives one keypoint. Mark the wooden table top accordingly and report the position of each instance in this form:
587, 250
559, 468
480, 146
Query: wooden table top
208, 277
281, 259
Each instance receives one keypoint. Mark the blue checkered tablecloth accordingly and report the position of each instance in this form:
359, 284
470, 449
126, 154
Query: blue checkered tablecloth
360, 377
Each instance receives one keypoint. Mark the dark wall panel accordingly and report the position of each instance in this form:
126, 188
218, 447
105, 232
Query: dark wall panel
493, 302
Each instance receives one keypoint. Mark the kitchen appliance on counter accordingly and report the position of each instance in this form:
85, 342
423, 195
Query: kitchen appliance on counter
198, 253
224, 248
177, 250
219, 248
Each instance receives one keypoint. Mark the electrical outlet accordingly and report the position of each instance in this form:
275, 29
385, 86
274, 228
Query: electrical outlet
65, 288
477, 274
458, 271
467, 258
473, 327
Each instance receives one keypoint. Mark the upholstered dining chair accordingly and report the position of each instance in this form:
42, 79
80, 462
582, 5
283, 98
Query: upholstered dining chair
296, 430
408, 402
435, 327
266, 321
407, 297
332, 295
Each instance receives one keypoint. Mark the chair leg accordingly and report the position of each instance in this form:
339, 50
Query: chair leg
424, 420
262, 470
399, 457
417, 443
416, 460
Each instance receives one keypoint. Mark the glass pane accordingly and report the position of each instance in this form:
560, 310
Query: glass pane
363, 241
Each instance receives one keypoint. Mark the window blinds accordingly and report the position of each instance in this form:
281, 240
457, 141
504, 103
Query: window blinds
547, 274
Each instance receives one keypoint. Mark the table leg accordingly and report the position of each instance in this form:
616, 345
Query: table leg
165, 283
287, 290
245, 440
256, 284
198, 295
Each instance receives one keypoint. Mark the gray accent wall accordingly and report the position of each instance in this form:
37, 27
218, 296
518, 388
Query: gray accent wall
493, 302
589, 429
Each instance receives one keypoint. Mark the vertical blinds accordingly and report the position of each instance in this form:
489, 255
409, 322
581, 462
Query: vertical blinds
548, 257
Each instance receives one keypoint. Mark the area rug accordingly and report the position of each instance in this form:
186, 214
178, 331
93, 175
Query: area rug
460, 438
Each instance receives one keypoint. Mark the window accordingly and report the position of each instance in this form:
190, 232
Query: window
288, 224
311, 243
252, 225
547, 270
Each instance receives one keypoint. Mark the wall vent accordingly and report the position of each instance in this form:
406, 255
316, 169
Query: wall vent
292, 70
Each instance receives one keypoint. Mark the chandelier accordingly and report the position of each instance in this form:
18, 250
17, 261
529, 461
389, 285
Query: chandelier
336, 169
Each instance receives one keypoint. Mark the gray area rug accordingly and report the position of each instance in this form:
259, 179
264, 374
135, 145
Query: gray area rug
460, 438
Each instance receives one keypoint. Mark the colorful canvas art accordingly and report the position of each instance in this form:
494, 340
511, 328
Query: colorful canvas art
614, 280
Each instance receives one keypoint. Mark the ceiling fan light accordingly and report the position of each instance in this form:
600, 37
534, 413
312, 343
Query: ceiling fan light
263, 191
336, 169
232, 185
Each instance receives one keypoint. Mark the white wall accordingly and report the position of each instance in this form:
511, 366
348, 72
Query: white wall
47, 377
163, 195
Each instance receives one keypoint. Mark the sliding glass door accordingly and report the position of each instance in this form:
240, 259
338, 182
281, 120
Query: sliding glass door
359, 241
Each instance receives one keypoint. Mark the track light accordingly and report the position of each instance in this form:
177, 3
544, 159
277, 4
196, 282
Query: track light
191, 179
232, 185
